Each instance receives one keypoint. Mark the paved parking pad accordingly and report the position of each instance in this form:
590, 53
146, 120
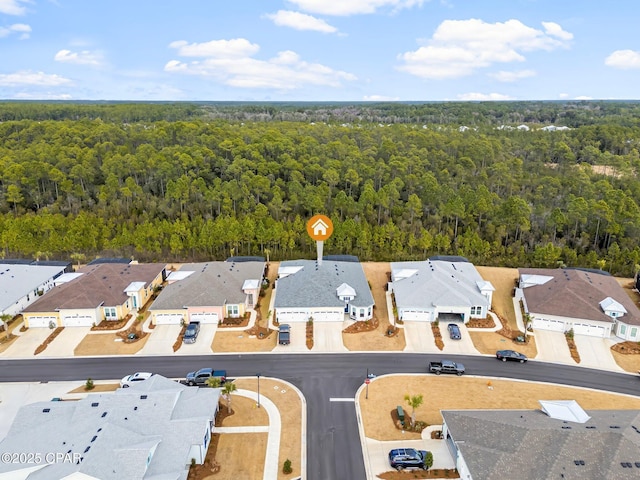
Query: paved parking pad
203, 342
66, 342
419, 337
26, 344
298, 339
552, 347
595, 352
463, 346
161, 340
327, 337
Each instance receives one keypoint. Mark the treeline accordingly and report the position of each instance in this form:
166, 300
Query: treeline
203, 188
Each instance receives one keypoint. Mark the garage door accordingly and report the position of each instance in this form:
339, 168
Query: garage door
546, 324
79, 321
35, 322
204, 317
291, 317
168, 318
586, 329
328, 316
416, 315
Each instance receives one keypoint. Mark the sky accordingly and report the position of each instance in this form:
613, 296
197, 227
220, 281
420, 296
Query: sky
319, 50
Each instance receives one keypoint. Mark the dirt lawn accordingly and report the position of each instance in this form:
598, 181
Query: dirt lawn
504, 280
243, 446
242, 342
106, 344
376, 340
450, 393
490, 342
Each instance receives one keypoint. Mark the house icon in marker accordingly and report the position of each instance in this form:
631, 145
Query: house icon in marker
319, 228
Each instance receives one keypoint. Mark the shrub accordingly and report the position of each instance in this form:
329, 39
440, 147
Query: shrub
89, 384
569, 333
428, 461
286, 468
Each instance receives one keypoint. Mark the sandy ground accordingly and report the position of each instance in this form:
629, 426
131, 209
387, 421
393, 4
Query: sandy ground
490, 342
272, 274
242, 342
106, 344
503, 279
376, 340
234, 450
451, 393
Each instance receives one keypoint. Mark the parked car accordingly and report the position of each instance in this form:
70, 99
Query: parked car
505, 355
201, 376
446, 366
400, 458
284, 334
130, 380
454, 331
191, 333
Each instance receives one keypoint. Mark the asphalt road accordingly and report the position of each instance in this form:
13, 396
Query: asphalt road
333, 442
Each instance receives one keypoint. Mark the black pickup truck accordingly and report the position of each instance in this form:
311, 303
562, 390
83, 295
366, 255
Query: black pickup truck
284, 334
446, 366
191, 333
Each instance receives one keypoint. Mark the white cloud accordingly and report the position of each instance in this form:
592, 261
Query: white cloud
13, 7
84, 57
42, 96
583, 97
300, 21
460, 47
352, 7
27, 77
234, 48
623, 59
21, 28
379, 98
285, 71
555, 30
503, 76
563, 95
479, 97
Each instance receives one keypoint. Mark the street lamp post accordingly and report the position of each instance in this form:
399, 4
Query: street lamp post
258, 375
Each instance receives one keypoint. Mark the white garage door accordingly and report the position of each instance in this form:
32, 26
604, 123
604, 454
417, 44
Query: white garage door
35, 322
328, 316
204, 317
79, 321
291, 316
168, 318
416, 315
546, 324
586, 329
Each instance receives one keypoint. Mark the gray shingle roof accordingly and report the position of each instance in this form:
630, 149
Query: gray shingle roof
437, 283
315, 286
211, 284
529, 445
577, 294
118, 433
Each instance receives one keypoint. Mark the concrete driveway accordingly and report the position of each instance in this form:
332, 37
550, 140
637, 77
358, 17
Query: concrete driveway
552, 347
66, 342
463, 346
419, 338
26, 344
161, 340
298, 339
595, 352
203, 342
327, 337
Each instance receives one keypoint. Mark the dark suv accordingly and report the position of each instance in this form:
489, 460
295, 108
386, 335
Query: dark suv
454, 331
400, 458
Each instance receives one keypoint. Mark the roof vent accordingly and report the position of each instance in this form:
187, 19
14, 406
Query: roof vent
95, 404
614, 426
104, 414
87, 449
94, 438
46, 410
566, 427
143, 397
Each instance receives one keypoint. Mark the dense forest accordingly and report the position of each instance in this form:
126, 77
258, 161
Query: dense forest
177, 181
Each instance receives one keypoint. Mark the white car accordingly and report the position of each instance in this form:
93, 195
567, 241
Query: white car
129, 380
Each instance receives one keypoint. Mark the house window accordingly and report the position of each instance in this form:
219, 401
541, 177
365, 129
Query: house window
369, 312
362, 313
634, 332
232, 311
623, 328
110, 313
353, 311
476, 310
251, 299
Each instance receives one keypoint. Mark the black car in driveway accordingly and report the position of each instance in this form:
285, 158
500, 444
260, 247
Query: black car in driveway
505, 355
454, 331
400, 458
